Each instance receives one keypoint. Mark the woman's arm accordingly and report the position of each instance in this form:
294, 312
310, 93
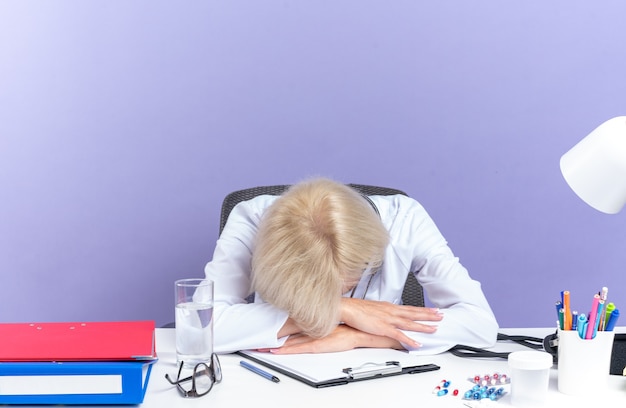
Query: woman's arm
388, 320
367, 323
341, 339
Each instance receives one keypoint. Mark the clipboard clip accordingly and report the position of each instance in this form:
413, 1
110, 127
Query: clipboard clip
373, 369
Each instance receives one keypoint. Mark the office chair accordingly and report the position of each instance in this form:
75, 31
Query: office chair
413, 294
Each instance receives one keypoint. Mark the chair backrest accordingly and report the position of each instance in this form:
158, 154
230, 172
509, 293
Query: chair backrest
413, 294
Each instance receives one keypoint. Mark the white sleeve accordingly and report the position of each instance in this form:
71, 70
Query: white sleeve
467, 316
238, 325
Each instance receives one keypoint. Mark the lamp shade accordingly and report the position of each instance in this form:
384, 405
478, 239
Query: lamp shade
595, 168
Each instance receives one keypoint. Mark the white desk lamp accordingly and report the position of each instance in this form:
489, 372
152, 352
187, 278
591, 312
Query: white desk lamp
595, 168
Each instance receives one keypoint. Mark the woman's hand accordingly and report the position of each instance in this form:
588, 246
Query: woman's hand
387, 320
341, 339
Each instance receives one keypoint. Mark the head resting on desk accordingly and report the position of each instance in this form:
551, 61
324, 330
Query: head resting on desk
313, 244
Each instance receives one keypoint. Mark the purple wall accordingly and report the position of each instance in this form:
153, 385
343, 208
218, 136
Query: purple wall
123, 125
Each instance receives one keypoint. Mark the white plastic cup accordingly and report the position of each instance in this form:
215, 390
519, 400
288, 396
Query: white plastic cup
530, 376
584, 365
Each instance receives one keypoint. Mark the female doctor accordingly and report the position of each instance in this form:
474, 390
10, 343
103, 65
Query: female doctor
328, 266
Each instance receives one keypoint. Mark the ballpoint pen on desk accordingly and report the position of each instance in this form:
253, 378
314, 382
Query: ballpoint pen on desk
258, 371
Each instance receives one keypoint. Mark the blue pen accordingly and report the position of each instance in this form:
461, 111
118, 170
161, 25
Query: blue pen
612, 320
574, 320
258, 371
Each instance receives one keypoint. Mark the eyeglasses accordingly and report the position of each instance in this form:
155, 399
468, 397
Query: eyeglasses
202, 378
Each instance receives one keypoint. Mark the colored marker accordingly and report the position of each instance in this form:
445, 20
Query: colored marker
558, 306
610, 324
591, 322
582, 325
598, 317
567, 312
604, 293
608, 309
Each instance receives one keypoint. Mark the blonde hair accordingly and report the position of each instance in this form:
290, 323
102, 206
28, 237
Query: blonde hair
312, 241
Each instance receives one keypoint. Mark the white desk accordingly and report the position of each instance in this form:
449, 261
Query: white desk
242, 388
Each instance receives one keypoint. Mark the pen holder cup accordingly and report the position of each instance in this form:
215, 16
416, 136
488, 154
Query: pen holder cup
583, 365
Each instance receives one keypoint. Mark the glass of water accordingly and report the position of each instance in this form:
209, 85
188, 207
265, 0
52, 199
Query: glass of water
194, 321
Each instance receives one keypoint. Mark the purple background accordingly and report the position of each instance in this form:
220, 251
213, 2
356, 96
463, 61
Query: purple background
124, 123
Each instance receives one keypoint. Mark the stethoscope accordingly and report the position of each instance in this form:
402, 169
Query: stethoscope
536, 343
369, 281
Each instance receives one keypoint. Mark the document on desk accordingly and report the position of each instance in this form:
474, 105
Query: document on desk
330, 369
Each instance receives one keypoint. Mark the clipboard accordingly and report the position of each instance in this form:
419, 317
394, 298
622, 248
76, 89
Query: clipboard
332, 369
